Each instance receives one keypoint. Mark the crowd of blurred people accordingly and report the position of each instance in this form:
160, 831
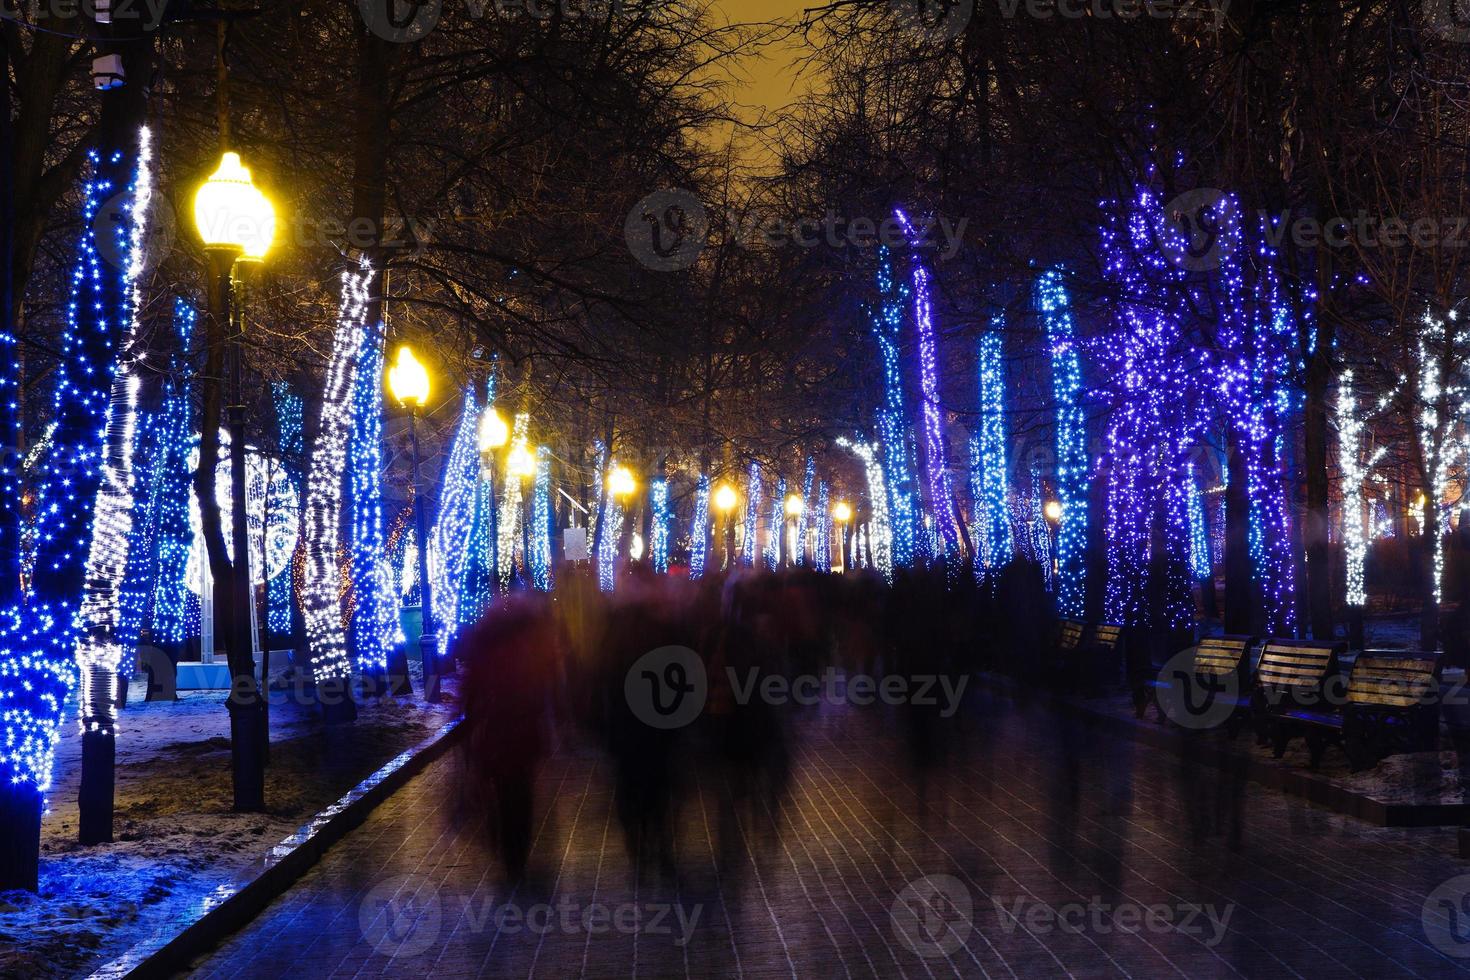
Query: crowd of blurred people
544, 667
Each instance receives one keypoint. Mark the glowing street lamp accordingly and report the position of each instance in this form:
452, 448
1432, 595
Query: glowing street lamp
622, 483
842, 514
408, 382
237, 224
795, 507
494, 431
725, 500
1054, 511
522, 465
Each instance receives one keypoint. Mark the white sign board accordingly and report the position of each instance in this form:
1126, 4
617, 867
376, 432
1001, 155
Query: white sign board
574, 544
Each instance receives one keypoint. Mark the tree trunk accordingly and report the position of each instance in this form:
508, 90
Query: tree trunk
1316, 517
1239, 599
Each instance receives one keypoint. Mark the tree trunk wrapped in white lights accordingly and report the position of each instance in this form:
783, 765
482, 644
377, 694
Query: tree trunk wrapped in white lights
322, 593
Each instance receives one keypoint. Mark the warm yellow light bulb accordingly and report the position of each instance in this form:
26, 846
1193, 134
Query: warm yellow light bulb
494, 432
408, 380
231, 212
621, 482
795, 506
1054, 511
842, 513
522, 462
726, 498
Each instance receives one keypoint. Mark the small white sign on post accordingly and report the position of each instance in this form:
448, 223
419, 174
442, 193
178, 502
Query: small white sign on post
574, 544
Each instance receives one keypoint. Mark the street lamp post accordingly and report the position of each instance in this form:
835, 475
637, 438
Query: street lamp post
408, 382
237, 225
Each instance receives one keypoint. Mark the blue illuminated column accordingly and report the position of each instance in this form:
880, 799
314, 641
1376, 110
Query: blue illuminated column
803, 520
822, 551
936, 454
894, 432
540, 558
753, 503
39, 636
373, 626
658, 493
449, 542
1071, 441
280, 591
774, 543
699, 531
176, 439
989, 483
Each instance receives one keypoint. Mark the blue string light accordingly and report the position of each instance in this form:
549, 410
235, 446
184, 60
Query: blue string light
38, 637
280, 591
803, 520
540, 560
699, 532
936, 453
449, 545
989, 482
658, 494
893, 426
778, 526
171, 619
753, 502
1071, 436
374, 613
822, 552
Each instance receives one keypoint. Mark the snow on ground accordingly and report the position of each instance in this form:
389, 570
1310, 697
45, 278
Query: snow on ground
176, 836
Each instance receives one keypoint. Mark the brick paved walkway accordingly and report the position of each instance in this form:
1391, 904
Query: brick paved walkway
1041, 849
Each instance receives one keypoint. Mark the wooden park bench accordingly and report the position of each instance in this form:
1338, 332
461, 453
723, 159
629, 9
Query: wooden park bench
1085, 652
1292, 677
1219, 670
1392, 706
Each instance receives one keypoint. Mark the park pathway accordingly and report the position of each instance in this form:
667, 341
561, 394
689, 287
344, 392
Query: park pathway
1033, 848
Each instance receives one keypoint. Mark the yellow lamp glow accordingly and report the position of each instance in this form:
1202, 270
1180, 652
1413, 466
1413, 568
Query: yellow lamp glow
621, 482
842, 513
726, 498
795, 506
408, 380
232, 213
494, 432
522, 462
1054, 510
